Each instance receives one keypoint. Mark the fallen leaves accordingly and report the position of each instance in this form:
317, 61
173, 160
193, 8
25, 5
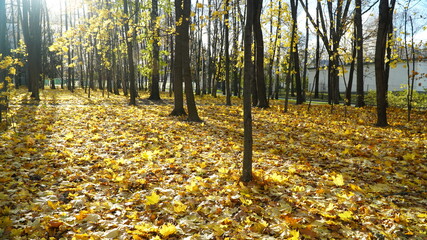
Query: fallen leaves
152, 199
80, 168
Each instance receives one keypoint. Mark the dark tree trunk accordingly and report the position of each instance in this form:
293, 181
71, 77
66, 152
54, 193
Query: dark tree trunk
316, 77
248, 76
155, 74
236, 77
3, 50
380, 50
349, 87
178, 64
227, 55
272, 83
304, 74
348, 90
31, 26
193, 116
209, 52
259, 57
360, 102
129, 44
296, 62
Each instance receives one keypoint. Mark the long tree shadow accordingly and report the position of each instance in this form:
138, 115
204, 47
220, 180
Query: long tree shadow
25, 167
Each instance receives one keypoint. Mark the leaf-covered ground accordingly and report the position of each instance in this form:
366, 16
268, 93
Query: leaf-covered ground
79, 168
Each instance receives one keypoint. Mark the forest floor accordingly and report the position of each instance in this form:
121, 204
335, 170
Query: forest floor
78, 168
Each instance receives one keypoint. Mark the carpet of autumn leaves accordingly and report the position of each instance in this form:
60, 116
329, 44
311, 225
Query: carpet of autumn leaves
78, 168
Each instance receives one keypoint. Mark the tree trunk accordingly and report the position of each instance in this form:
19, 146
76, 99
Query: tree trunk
259, 57
209, 57
348, 90
317, 75
32, 35
3, 50
178, 64
193, 116
129, 44
380, 49
304, 74
227, 55
155, 74
248, 76
296, 62
360, 102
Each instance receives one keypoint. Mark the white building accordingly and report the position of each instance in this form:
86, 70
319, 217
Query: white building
397, 81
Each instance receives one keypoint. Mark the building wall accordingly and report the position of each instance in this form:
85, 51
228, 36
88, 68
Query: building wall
398, 78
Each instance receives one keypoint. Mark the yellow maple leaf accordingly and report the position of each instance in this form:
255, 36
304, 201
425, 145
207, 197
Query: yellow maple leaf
83, 236
330, 207
12, 71
167, 229
82, 215
346, 216
192, 187
69, 136
40, 136
152, 199
53, 205
338, 180
5, 222
179, 207
346, 151
294, 234
355, 188
144, 227
409, 156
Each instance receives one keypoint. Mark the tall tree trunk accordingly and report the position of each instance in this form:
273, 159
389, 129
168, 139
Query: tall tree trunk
227, 54
360, 102
155, 74
273, 56
296, 62
193, 116
129, 44
62, 56
259, 57
178, 64
349, 87
304, 74
31, 26
209, 51
317, 75
236, 78
248, 76
3, 48
380, 50
69, 69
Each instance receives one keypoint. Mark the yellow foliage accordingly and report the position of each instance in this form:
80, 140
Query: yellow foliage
338, 180
346, 216
152, 199
179, 207
167, 230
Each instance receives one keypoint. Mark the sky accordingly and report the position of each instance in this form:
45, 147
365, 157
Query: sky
54, 7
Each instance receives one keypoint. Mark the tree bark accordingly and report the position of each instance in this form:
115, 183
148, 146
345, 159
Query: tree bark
248, 76
193, 115
259, 57
227, 55
31, 26
178, 66
380, 49
155, 74
360, 102
129, 44
3, 48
